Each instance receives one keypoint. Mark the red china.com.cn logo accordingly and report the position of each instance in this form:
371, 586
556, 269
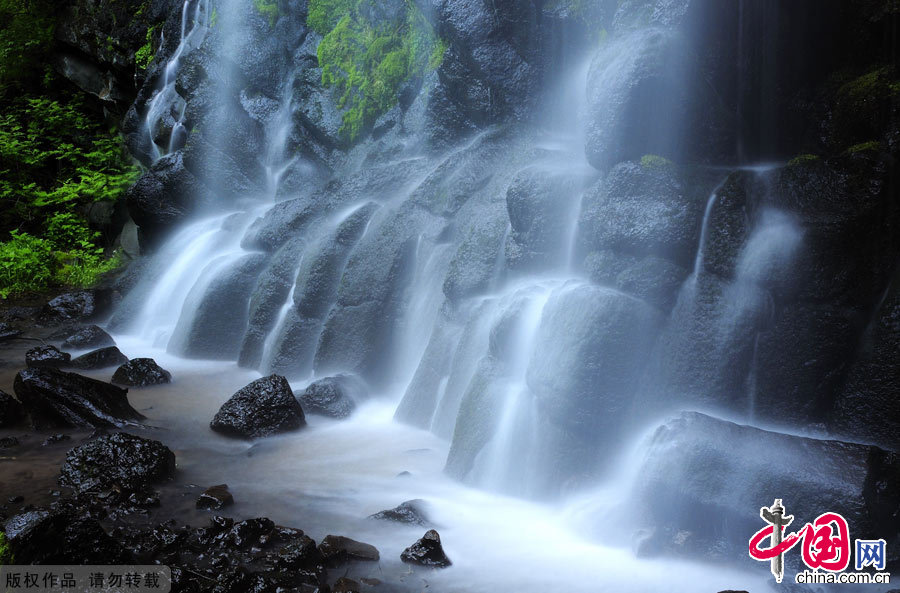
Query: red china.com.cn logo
824, 545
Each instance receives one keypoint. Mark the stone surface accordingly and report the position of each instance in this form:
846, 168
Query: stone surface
428, 551
124, 461
411, 512
333, 396
263, 408
215, 498
90, 336
337, 549
141, 372
46, 357
99, 359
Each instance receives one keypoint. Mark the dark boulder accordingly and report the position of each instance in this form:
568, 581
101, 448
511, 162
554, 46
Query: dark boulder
696, 461
91, 336
119, 460
72, 306
428, 551
411, 512
333, 396
337, 549
11, 412
8, 332
61, 537
9, 442
215, 498
46, 357
263, 408
140, 372
99, 359
55, 398
345, 585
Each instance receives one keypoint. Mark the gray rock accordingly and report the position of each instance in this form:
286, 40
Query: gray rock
337, 549
428, 551
262, 408
46, 357
90, 336
335, 397
99, 359
411, 512
141, 372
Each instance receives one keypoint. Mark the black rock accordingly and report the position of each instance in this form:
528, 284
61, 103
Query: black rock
411, 512
100, 359
215, 498
336, 549
46, 357
8, 442
263, 408
60, 537
11, 412
16, 499
55, 398
69, 307
8, 332
90, 336
299, 554
120, 460
57, 438
140, 372
332, 396
428, 551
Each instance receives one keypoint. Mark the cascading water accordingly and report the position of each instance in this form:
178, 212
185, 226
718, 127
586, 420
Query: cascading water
537, 305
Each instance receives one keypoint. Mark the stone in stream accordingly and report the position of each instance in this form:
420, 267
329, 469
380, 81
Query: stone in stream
71, 306
8, 332
428, 551
60, 537
345, 585
337, 549
56, 438
54, 398
9, 442
411, 512
121, 460
101, 358
90, 336
215, 498
141, 372
11, 412
46, 357
263, 408
332, 396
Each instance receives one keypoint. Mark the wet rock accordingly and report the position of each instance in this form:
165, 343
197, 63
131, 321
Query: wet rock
121, 460
140, 372
11, 411
345, 585
215, 498
7, 331
263, 408
72, 306
91, 336
428, 551
16, 499
697, 461
56, 438
9, 442
60, 537
99, 359
333, 396
337, 549
55, 398
641, 210
411, 512
46, 357
300, 553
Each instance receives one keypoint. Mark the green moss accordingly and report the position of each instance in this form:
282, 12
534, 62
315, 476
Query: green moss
871, 146
875, 84
653, 161
267, 8
214, 17
367, 62
803, 159
6, 556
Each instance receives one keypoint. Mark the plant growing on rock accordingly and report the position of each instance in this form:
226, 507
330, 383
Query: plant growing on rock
6, 556
367, 56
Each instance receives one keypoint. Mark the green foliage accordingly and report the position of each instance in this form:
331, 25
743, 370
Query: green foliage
144, 55
267, 8
803, 159
653, 161
871, 146
366, 61
6, 556
26, 32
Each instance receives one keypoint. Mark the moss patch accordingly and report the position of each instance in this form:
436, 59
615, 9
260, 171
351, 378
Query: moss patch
872, 146
803, 159
367, 59
654, 161
267, 8
6, 556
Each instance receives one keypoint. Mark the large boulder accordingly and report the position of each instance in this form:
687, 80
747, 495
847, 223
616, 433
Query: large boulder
46, 357
55, 398
60, 536
121, 460
11, 411
333, 396
411, 512
337, 549
703, 480
72, 306
90, 336
99, 359
642, 209
263, 408
141, 372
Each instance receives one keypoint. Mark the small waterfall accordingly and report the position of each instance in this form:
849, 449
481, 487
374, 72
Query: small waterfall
163, 122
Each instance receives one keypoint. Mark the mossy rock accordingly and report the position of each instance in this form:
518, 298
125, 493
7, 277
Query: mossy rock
863, 108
